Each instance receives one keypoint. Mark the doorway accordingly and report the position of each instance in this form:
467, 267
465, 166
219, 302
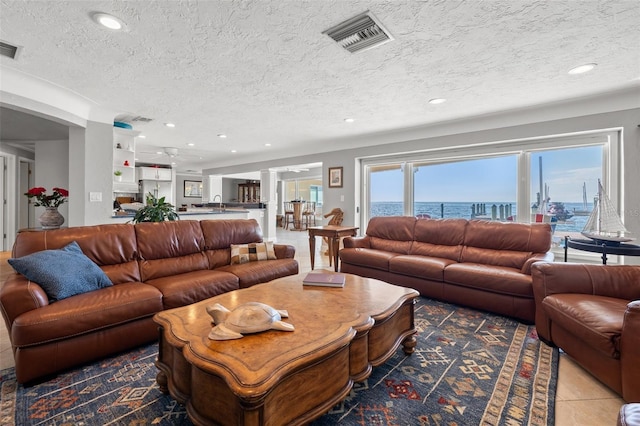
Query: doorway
26, 209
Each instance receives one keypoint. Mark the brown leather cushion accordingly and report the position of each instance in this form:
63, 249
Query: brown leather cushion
596, 320
431, 268
510, 236
262, 271
629, 415
446, 232
184, 289
97, 243
436, 250
508, 258
86, 313
376, 259
498, 279
391, 233
220, 234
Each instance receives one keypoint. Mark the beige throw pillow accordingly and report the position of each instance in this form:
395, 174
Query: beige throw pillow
243, 253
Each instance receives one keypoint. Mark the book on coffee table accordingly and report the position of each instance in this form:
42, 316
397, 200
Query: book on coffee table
325, 279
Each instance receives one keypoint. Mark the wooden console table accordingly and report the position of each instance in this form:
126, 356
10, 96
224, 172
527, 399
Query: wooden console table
591, 246
333, 234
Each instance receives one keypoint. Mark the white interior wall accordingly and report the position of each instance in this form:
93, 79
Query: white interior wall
52, 170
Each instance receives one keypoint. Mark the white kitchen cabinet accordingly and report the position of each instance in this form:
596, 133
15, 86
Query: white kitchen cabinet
154, 173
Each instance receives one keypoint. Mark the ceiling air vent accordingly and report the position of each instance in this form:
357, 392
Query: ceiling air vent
359, 33
8, 50
131, 118
141, 119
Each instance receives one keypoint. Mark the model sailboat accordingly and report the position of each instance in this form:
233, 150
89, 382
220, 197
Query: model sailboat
604, 224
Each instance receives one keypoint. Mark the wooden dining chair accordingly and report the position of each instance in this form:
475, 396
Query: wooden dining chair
288, 215
309, 213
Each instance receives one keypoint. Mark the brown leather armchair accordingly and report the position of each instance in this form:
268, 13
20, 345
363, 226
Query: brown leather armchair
592, 312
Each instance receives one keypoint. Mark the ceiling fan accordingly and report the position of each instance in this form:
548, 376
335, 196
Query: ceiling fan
170, 153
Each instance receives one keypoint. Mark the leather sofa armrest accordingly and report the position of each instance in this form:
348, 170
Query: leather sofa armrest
19, 295
630, 353
284, 251
356, 242
536, 257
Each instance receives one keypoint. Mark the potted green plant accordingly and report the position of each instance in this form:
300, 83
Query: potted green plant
118, 175
155, 210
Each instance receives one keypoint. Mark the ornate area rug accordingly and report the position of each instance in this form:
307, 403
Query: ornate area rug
469, 368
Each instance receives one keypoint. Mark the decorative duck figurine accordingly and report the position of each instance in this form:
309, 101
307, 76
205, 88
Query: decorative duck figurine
252, 317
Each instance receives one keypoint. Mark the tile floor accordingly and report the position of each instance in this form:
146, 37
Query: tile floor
580, 398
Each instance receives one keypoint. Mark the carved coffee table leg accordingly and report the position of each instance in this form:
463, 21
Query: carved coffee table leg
161, 379
409, 344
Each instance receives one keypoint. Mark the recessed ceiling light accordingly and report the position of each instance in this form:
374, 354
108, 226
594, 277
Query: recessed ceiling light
267, 144
582, 69
233, 150
169, 124
436, 101
142, 136
159, 152
108, 21
222, 135
349, 120
191, 144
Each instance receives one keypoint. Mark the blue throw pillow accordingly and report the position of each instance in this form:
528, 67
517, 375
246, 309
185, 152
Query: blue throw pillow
62, 273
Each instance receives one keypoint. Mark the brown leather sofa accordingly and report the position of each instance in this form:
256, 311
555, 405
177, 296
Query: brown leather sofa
481, 264
153, 266
592, 312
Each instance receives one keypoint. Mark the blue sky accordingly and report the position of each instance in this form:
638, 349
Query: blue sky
494, 179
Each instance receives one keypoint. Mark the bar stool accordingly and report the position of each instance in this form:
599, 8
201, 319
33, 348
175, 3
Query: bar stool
309, 213
288, 215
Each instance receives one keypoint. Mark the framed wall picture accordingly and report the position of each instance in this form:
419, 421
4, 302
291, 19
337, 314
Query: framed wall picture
193, 188
335, 177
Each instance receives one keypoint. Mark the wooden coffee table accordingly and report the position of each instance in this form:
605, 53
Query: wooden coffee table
278, 377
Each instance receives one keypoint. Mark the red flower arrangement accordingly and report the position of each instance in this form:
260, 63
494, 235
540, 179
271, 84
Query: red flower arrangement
42, 199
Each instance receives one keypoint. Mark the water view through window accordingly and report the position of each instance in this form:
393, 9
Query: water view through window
564, 185
487, 188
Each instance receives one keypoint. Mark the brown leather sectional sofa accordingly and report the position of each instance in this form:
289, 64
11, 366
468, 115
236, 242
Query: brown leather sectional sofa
481, 264
153, 266
592, 312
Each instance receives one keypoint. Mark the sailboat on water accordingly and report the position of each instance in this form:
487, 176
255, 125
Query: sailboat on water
604, 224
584, 211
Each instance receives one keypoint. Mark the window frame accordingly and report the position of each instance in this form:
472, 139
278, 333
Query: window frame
612, 176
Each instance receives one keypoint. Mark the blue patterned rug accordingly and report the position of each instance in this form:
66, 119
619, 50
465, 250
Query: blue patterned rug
469, 368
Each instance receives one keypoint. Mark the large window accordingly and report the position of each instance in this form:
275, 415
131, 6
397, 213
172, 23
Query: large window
500, 181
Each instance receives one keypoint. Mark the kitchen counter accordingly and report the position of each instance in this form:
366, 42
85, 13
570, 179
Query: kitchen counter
198, 213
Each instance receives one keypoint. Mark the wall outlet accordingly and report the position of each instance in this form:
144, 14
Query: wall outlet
95, 196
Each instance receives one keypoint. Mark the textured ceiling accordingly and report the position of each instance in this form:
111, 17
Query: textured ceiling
263, 72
